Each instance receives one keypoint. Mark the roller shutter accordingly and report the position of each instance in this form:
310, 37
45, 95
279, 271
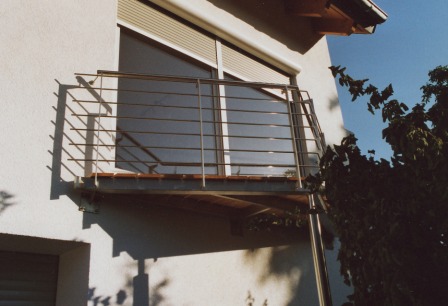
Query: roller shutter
247, 68
28, 279
187, 39
168, 30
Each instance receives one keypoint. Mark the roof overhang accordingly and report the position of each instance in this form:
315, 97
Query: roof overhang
339, 17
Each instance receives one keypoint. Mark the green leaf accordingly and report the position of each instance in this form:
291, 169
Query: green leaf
392, 217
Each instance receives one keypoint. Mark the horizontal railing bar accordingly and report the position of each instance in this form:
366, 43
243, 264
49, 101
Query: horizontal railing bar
182, 120
304, 102
183, 134
306, 139
154, 77
192, 149
300, 114
188, 107
172, 164
182, 148
270, 100
192, 164
289, 87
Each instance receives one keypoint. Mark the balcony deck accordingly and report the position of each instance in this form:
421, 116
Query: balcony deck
228, 196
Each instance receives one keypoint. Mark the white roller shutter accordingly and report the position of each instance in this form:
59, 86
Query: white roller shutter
245, 67
167, 30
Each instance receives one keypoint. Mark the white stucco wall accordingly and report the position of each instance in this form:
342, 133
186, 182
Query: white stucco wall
185, 259
43, 45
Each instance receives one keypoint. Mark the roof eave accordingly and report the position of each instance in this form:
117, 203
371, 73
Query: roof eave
364, 12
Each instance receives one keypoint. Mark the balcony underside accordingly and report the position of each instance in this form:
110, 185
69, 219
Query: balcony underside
232, 196
339, 17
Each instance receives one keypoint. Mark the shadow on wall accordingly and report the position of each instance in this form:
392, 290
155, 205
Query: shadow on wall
145, 231
58, 185
334, 104
77, 112
156, 299
172, 232
250, 300
294, 263
120, 298
5, 200
139, 285
259, 14
141, 226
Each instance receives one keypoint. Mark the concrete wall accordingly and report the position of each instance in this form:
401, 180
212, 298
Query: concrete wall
138, 252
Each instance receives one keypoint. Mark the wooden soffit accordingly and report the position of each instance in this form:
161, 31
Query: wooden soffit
338, 17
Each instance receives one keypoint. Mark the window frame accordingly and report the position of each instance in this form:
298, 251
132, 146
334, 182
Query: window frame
219, 69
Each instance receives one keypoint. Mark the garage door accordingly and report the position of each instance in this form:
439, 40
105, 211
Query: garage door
28, 279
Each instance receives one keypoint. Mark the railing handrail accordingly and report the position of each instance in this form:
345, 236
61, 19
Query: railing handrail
171, 78
314, 124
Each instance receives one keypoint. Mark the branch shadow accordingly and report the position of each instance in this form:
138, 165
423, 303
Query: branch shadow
295, 263
5, 201
98, 300
140, 287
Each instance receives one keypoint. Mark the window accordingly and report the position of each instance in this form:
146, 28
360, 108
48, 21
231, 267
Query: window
265, 128
158, 122
156, 118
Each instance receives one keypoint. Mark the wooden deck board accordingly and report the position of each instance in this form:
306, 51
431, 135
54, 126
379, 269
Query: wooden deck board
244, 201
196, 177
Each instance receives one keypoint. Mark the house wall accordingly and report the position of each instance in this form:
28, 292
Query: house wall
137, 252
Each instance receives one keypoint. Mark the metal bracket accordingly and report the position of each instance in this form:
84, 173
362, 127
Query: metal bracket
90, 203
78, 183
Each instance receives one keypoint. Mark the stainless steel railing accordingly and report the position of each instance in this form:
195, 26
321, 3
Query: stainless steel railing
184, 125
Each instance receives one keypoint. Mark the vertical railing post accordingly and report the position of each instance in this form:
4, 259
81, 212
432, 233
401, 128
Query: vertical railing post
223, 111
100, 105
320, 266
198, 84
294, 136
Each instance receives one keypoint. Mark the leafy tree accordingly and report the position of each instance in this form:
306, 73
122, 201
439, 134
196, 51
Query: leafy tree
392, 216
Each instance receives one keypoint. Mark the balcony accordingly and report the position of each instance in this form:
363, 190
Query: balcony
221, 147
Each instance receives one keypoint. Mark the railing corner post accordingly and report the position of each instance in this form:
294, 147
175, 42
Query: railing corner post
201, 130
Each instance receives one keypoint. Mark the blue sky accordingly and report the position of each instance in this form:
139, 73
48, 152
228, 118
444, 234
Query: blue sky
411, 42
